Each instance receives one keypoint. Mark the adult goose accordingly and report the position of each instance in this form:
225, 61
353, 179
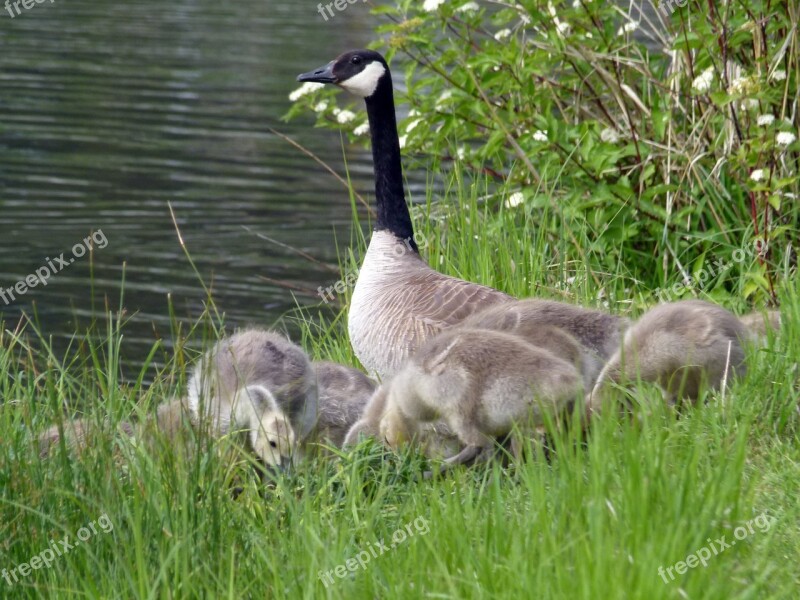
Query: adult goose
398, 302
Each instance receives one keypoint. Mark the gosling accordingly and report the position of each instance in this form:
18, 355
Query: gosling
680, 346
343, 394
260, 383
170, 420
435, 439
482, 383
583, 337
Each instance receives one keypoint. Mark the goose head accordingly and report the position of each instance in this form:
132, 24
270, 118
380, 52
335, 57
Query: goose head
360, 72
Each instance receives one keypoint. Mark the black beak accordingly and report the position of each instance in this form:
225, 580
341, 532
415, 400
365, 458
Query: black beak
321, 75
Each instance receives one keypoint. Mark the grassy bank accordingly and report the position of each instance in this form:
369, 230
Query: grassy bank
595, 520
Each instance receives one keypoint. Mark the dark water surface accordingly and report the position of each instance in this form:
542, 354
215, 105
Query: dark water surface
109, 110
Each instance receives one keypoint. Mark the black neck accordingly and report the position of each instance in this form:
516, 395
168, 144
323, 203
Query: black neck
393, 213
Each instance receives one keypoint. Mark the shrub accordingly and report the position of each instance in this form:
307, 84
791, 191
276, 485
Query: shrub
666, 139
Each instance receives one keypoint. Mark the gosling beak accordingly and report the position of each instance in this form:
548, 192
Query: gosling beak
321, 75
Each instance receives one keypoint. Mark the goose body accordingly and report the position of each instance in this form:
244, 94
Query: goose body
399, 301
482, 383
260, 383
680, 346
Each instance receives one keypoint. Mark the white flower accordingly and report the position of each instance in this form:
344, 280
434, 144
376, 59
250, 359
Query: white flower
514, 200
765, 120
562, 27
757, 175
540, 136
403, 140
609, 135
502, 34
431, 5
345, 116
362, 129
739, 85
576, 4
784, 138
778, 75
702, 83
305, 89
461, 152
629, 27
468, 7
321, 106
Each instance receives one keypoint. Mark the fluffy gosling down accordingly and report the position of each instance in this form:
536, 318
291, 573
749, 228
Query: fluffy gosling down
680, 346
168, 422
435, 439
260, 383
343, 395
582, 336
482, 384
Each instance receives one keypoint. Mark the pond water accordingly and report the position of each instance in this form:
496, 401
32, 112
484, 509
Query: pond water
110, 110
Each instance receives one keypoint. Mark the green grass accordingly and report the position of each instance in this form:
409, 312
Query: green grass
594, 520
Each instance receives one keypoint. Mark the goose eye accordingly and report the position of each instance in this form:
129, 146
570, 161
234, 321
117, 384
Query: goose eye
273, 444
356, 60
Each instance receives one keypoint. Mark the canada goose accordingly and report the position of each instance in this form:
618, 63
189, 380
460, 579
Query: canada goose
481, 383
582, 336
343, 394
399, 301
679, 346
261, 383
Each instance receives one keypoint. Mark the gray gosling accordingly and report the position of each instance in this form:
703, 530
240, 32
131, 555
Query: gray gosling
260, 383
582, 336
435, 439
760, 323
482, 383
170, 420
679, 346
343, 394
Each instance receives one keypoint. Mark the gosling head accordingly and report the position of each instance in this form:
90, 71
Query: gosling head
274, 441
360, 72
395, 428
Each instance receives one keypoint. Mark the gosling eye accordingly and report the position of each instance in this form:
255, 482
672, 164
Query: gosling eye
273, 443
356, 60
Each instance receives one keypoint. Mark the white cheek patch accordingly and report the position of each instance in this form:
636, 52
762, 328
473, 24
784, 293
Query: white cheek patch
365, 83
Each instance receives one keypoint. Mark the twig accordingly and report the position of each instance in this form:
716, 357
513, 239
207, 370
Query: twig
325, 165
